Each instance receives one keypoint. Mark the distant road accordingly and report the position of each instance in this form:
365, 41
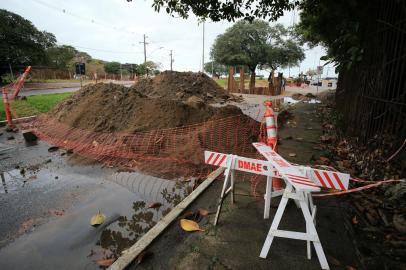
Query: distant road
56, 88
48, 91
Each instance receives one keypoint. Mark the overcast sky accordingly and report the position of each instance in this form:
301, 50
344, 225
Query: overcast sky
113, 29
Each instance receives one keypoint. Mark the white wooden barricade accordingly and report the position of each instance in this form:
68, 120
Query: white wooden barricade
300, 182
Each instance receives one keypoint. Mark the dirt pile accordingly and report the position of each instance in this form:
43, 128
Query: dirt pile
110, 107
181, 86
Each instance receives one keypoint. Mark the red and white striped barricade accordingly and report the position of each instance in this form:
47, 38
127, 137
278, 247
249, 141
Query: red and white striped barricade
300, 183
232, 163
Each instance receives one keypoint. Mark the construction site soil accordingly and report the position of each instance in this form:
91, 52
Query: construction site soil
171, 99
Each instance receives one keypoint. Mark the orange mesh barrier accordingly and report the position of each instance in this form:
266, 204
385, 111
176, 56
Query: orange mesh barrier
168, 153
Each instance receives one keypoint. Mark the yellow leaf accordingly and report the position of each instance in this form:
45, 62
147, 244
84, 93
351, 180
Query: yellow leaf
97, 219
189, 225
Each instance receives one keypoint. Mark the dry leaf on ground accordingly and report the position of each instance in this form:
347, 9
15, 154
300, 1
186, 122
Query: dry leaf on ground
104, 262
203, 212
189, 225
155, 205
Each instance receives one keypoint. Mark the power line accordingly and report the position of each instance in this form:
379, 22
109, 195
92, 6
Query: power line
86, 19
108, 51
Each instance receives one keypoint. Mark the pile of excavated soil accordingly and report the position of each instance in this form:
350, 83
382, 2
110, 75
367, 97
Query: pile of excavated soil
181, 86
110, 107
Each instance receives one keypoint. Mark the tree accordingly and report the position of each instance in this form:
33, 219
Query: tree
21, 43
112, 67
244, 43
283, 50
213, 67
149, 68
345, 45
311, 73
60, 56
225, 9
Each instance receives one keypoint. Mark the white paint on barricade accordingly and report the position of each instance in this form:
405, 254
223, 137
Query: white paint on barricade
328, 179
287, 171
244, 164
301, 175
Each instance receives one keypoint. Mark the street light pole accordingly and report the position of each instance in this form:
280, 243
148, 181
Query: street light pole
171, 60
203, 50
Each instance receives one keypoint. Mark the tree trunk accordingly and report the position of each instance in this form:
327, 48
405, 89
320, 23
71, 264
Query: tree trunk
270, 83
252, 82
242, 80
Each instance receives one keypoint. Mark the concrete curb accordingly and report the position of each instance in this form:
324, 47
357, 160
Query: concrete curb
123, 261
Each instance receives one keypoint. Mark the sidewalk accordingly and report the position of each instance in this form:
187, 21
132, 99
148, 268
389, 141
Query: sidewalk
237, 240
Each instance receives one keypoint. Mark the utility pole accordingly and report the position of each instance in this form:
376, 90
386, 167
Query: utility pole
203, 50
145, 53
171, 59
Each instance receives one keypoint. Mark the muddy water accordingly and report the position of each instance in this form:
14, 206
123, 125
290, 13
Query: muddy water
46, 204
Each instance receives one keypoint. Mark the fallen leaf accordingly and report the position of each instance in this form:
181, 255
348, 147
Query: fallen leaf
155, 205
189, 225
143, 255
97, 219
292, 154
104, 262
203, 212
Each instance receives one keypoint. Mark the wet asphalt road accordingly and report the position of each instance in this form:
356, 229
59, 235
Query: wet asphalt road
48, 198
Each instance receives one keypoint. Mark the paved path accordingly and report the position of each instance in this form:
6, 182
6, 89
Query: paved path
238, 239
57, 88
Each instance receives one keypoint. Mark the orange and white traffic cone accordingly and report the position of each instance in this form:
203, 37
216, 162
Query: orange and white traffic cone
272, 137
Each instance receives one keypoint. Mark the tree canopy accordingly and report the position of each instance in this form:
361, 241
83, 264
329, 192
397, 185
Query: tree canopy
257, 43
229, 10
214, 67
336, 25
60, 57
21, 43
244, 43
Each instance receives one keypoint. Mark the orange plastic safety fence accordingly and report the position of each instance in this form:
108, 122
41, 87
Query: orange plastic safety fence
169, 153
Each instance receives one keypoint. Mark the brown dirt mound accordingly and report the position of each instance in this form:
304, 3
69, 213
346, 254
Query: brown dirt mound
181, 86
111, 107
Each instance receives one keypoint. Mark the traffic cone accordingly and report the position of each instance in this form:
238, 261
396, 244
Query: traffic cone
272, 138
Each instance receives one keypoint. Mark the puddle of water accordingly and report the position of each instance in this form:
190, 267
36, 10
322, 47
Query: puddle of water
129, 228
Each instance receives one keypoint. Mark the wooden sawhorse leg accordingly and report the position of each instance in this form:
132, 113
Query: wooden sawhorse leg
311, 233
229, 173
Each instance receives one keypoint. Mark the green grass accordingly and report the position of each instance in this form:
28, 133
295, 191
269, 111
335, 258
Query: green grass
34, 105
221, 82
2, 112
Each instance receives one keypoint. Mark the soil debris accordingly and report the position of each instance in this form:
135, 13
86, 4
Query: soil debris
152, 103
181, 86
